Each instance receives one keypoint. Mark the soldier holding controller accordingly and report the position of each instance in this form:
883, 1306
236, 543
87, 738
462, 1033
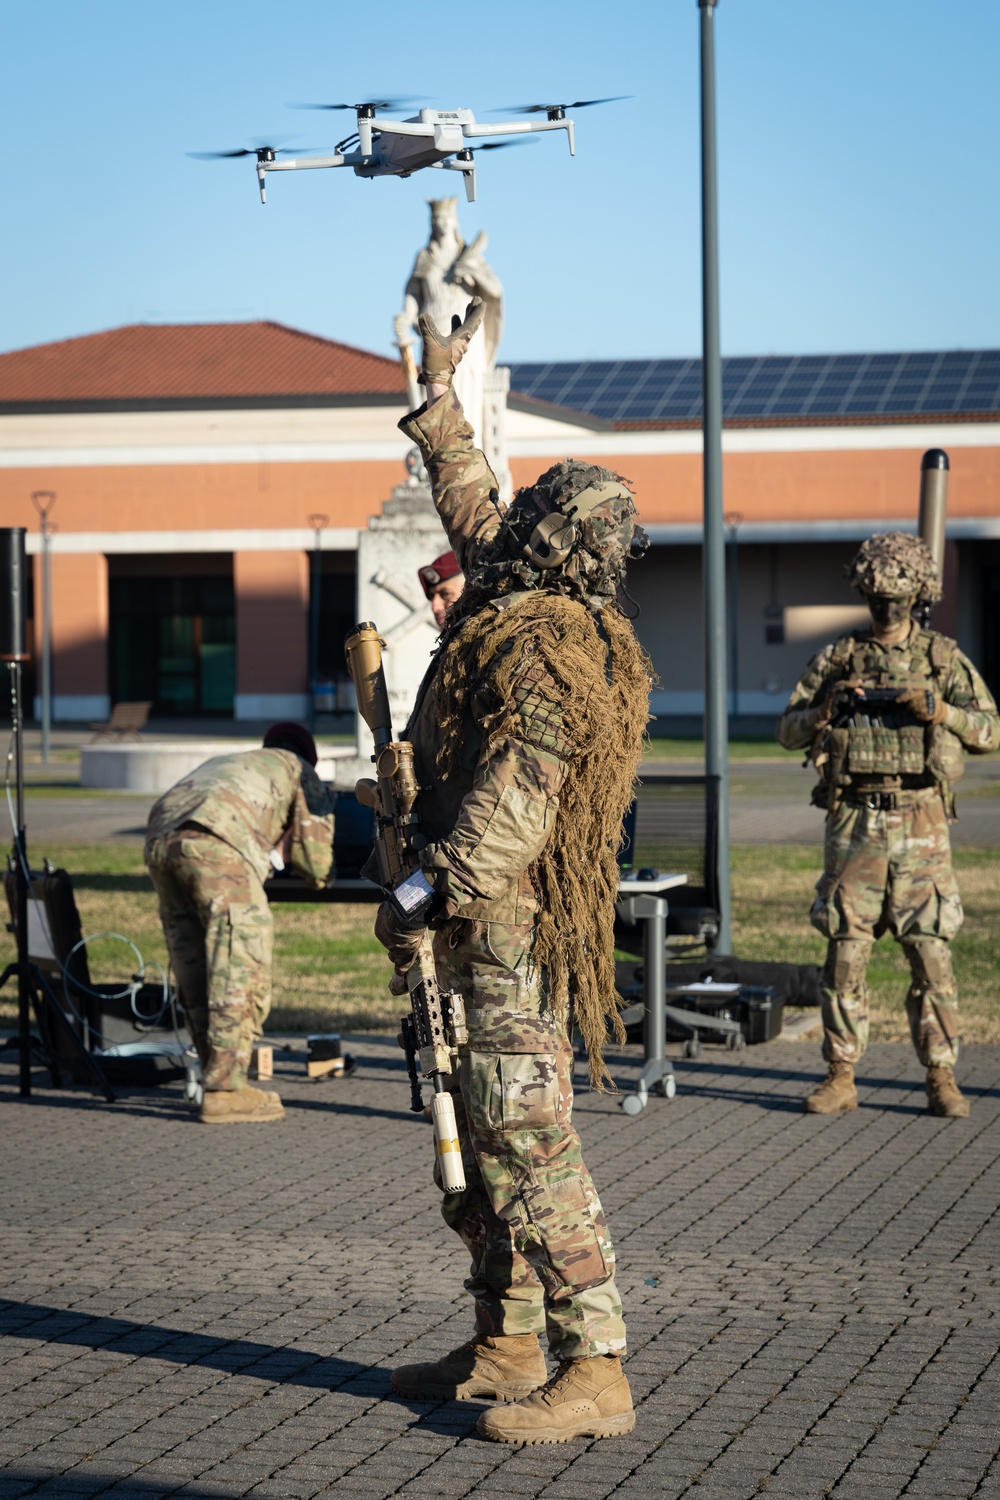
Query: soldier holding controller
887, 715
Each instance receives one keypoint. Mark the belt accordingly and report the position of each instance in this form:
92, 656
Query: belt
877, 801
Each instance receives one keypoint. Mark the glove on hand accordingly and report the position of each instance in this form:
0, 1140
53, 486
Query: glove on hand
443, 352
840, 690
927, 706
398, 936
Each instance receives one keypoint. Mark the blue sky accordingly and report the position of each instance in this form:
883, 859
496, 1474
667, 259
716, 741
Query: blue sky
857, 153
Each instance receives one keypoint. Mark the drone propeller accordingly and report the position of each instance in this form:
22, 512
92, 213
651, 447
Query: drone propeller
262, 152
400, 101
525, 140
556, 111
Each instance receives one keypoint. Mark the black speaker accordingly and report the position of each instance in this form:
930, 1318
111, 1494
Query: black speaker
13, 595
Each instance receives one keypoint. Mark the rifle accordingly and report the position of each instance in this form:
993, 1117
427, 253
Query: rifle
435, 1027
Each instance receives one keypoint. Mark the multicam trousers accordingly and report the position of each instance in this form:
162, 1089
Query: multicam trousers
218, 929
530, 1217
889, 871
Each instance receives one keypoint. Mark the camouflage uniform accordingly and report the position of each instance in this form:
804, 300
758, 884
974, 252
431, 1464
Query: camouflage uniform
208, 852
889, 798
530, 1216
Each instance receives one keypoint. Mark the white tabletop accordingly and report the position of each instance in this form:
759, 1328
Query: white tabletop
668, 882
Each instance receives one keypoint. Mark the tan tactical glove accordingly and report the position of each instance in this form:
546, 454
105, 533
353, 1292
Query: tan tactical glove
397, 936
824, 710
443, 352
927, 706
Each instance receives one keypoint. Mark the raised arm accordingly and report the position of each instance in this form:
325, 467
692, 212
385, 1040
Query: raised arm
463, 484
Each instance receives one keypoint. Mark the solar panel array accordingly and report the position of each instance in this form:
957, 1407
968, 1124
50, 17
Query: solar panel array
772, 386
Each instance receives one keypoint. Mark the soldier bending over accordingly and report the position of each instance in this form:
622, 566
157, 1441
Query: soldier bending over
212, 841
888, 714
527, 731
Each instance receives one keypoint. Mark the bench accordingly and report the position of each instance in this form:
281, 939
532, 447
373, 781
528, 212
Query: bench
127, 719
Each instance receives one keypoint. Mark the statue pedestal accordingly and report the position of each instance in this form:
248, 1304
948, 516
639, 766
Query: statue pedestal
404, 537
493, 438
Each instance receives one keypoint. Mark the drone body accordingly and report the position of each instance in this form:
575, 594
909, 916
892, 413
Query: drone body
433, 138
397, 148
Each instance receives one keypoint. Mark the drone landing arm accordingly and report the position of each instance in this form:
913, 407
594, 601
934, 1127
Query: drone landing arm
299, 163
468, 168
526, 127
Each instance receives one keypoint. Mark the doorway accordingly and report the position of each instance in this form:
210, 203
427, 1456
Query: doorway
172, 633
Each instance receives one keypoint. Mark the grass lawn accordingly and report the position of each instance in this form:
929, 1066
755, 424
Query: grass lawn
330, 974
667, 748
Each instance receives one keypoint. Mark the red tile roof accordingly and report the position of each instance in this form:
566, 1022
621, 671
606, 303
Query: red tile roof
174, 361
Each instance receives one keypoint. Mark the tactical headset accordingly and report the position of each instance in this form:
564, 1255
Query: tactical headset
555, 535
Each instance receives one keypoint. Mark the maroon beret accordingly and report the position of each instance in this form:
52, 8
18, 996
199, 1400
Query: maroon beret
443, 567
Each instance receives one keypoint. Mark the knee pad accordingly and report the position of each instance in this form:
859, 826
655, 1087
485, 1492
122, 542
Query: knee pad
846, 962
930, 963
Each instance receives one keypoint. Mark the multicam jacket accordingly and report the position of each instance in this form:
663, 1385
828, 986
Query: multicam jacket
488, 822
911, 756
249, 799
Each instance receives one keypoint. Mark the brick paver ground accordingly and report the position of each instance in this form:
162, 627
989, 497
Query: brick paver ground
813, 1303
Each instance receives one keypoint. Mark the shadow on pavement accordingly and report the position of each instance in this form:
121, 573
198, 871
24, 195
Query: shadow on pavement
274, 1363
53, 1325
172, 1106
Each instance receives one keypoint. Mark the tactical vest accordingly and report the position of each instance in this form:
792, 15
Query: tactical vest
861, 753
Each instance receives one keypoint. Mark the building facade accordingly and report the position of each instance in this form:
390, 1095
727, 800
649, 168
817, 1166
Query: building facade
211, 479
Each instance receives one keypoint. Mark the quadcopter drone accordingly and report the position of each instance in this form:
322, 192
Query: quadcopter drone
398, 148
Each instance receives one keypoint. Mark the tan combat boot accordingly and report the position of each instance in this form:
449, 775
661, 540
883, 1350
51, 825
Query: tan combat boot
944, 1097
585, 1398
505, 1368
239, 1106
835, 1094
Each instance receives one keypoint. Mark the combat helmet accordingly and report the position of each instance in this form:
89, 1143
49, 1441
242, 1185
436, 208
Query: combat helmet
573, 531
895, 565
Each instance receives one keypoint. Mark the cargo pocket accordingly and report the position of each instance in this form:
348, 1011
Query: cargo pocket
249, 935
570, 1229
484, 1088
530, 1093
250, 944
950, 915
507, 1010
825, 913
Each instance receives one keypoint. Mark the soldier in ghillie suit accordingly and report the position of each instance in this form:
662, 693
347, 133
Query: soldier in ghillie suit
527, 733
212, 841
887, 715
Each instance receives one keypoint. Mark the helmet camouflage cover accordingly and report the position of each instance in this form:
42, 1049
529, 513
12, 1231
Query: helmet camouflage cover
895, 566
600, 508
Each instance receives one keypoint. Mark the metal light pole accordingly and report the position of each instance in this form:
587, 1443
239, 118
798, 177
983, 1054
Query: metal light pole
43, 501
714, 552
734, 519
317, 522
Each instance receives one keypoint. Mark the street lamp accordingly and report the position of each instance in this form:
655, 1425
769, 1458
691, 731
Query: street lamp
734, 520
713, 550
317, 522
43, 501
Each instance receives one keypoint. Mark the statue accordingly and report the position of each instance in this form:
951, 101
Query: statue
407, 533
445, 275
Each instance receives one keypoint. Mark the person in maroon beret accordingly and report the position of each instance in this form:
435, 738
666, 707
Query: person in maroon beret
442, 581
